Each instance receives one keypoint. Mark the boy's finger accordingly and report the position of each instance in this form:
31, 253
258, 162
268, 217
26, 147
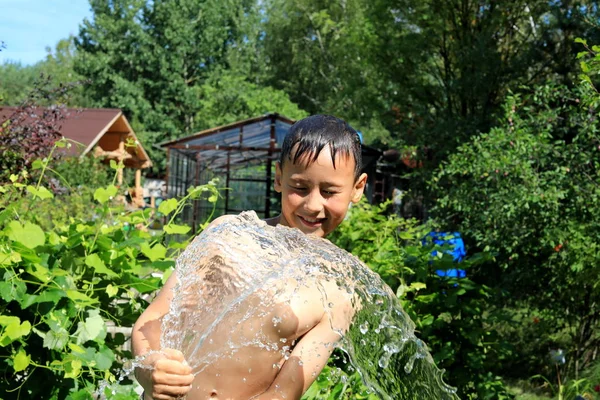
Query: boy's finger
173, 354
169, 392
172, 367
175, 381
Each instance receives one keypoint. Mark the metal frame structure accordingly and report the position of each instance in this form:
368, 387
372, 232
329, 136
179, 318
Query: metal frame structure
241, 155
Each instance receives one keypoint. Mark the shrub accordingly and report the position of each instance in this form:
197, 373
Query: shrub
452, 315
64, 286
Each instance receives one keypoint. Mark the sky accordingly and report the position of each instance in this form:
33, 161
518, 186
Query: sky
27, 27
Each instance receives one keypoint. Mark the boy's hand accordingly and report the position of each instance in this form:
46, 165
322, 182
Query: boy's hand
171, 376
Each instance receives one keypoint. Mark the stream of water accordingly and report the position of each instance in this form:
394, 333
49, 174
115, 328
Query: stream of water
247, 294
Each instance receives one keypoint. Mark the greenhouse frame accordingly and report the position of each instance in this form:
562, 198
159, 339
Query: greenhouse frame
242, 155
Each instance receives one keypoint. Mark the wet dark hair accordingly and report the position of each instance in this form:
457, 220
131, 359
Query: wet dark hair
313, 133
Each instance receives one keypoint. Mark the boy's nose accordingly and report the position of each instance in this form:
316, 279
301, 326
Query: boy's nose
314, 202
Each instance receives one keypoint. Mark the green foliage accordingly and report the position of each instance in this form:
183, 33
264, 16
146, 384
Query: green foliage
228, 97
162, 62
528, 191
453, 316
64, 287
336, 384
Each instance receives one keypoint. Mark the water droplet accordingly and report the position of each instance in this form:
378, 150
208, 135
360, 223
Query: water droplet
244, 380
384, 361
330, 305
364, 328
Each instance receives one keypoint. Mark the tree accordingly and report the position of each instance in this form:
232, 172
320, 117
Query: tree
155, 59
430, 73
528, 191
321, 53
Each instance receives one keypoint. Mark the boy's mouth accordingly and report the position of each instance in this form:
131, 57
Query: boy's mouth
312, 222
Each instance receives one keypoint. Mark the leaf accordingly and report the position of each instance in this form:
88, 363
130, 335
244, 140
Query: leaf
92, 328
102, 195
417, 286
40, 272
112, 291
10, 258
40, 192
80, 298
94, 261
76, 348
104, 358
174, 229
406, 235
167, 206
29, 235
428, 320
56, 339
158, 251
13, 290
15, 330
21, 360
49, 296
72, 369
6, 320
37, 164
114, 165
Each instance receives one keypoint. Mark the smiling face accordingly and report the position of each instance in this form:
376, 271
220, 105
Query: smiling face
315, 196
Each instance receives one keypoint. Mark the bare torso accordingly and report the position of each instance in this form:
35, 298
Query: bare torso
250, 369
247, 336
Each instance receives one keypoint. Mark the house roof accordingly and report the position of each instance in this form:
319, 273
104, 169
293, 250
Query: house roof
90, 127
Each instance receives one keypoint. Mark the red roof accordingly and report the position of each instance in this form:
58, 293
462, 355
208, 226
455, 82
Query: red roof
87, 126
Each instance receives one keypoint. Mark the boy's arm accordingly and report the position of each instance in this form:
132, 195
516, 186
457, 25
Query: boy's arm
306, 362
168, 375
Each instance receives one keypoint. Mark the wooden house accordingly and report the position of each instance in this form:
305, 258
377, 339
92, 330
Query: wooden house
104, 133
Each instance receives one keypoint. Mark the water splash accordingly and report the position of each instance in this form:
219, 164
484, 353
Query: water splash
248, 292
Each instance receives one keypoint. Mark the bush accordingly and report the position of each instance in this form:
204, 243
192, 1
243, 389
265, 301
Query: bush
64, 286
529, 191
452, 315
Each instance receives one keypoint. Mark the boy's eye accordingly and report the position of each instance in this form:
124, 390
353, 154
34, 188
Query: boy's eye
329, 192
298, 188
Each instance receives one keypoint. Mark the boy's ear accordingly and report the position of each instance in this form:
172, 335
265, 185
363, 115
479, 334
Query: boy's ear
278, 172
359, 188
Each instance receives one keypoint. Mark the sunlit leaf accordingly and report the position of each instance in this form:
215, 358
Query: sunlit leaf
158, 251
174, 229
102, 195
92, 328
94, 261
167, 206
40, 192
111, 290
29, 235
21, 361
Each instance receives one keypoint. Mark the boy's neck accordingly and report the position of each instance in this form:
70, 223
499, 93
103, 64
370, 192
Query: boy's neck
273, 221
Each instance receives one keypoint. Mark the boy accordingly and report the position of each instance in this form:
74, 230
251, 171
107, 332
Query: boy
318, 176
